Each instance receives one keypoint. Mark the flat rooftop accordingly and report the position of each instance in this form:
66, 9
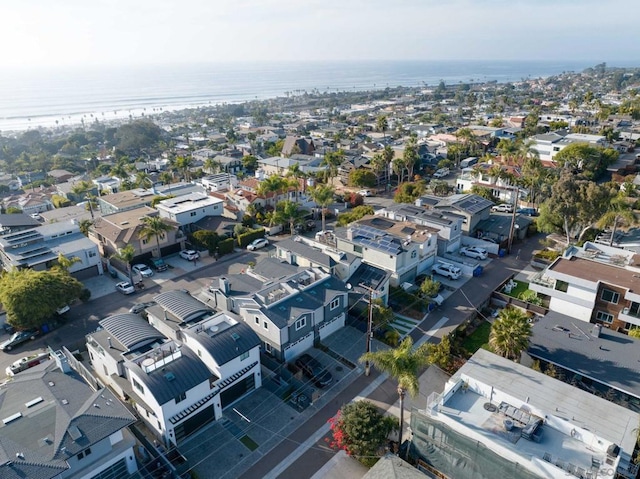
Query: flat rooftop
578, 427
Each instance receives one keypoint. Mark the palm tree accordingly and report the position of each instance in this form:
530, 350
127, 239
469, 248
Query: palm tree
619, 212
410, 156
143, 180
322, 195
154, 227
382, 125
212, 166
272, 184
184, 164
404, 365
85, 226
296, 173
332, 161
287, 212
126, 255
378, 165
510, 333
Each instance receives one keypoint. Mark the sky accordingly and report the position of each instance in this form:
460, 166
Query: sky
44, 33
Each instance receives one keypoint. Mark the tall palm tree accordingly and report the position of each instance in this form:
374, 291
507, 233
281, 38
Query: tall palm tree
322, 195
119, 170
332, 161
619, 212
154, 227
85, 226
184, 164
126, 255
382, 125
510, 333
403, 364
212, 166
410, 156
143, 180
287, 212
296, 173
272, 184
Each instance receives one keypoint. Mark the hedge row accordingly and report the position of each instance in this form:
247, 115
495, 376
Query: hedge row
225, 246
245, 238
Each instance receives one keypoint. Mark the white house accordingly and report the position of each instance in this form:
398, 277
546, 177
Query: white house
191, 208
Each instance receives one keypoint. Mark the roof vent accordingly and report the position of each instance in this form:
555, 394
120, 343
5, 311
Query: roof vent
65, 402
170, 376
51, 383
235, 336
20, 455
75, 433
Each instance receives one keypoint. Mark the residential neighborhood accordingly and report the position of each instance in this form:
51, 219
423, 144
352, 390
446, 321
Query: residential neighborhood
219, 293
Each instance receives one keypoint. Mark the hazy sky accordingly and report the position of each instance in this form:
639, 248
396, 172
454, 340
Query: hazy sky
55, 32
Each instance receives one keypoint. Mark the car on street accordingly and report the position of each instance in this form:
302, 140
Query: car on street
365, 193
473, 252
502, 208
312, 369
139, 307
257, 244
18, 338
442, 173
447, 270
125, 287
143, 270
189, 254
527, 211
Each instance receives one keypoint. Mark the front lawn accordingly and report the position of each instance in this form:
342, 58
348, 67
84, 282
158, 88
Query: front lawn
521, 287
478, 339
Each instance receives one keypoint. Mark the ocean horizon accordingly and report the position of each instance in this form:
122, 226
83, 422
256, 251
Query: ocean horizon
64, 96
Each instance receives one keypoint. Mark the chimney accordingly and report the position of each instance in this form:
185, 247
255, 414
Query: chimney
350, 234
224, 285
61, 361
419, 202
109, 341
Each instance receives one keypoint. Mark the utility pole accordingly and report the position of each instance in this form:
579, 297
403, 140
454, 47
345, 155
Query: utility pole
367, 365
516, 191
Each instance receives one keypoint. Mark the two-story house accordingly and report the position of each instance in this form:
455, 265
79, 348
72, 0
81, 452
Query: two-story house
55, 426
471, 208
548, 145
115, 231
177, 386
288, 314
38, 249
188, 209
404, 249
491, 177
595, 283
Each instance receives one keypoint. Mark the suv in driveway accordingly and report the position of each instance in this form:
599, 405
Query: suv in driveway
473, 252
312, 369
448, 270
503, 208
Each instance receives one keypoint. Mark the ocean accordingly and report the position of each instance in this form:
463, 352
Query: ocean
56, 97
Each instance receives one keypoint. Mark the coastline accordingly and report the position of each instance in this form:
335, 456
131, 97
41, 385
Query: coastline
119, 95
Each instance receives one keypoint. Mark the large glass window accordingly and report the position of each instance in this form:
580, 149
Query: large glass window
604, 317
610, 296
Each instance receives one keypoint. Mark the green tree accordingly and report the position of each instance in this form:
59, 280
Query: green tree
382, 125
85, 226
126, 255
410, 156
143, 180
154, 227
362, 178
332, 161
440, 354
288, 212
591, 161
184, 164
409, 192
429, 288
212, 166
31, 297
323, 196
382, 315
403, 364
360, 429
510, 333
634, 332
619, 212
250, 163
65, 263
137, 136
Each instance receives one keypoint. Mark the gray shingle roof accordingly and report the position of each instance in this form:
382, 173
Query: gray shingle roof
182, 305
611, 358
130, 329
186, 372
228, 344
66, 402
315, 255
273, 269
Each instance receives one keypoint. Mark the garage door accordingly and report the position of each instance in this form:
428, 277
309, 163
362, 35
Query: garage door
191, 425
299, 347
235, 392
332, 326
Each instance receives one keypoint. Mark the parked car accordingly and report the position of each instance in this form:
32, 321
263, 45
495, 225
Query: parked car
62, 309
158, 264
26, 362
139, 307
527, 211
189, 254
503, 208
125, 287
473, 252
441, 173
143, 270
18, 338
448, 270
312, 369
257, 244
365, 193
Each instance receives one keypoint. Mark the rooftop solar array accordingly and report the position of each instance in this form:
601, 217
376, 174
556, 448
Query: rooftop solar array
373, 238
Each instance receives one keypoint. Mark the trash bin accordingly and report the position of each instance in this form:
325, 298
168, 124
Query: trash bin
478, 271
501, 253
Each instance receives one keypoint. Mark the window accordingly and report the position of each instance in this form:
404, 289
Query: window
244, 356
265, 325
357, 249
267, 348
562, 286
144, 241
137, 385
334, 304
610, 296
414, 253
181, 397
84, 453
257, 320
301, 323
92, 254
193, 213
604, 317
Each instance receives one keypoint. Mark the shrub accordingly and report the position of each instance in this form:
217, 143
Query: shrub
354, 215
207, 239
245, 238
356, 200
59, 201
85, 295
225, 246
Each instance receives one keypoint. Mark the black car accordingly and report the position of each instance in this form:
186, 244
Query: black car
312, 368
